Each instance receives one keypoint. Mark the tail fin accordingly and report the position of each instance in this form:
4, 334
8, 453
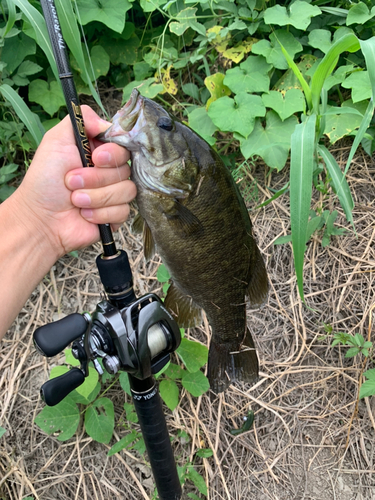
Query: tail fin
228, 362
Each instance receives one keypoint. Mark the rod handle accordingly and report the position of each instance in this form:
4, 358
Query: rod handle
56, 389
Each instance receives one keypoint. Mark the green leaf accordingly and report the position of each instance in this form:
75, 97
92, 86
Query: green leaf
169, 393
151, 5
353, 351
251, 76
301, 171
187, 19
359, 13
100, 420
338, 182
349, 43
89, 384
123, 443
131, 414
121, 51
23, 112
124, 382
162, 274
11, 17
196, 383
342, 121
38, 23
271, 50
111, 12
367, 389
191, 90
193, 496
2, 431
271, 142
299, 15
215, 85
62, 418
197, 479
70, 359
204, 453
285, 103
193, 354
361, 133
320, 39
238, 114
370, 374
50, 97
360, 84
174, 371
201, 123
16, 49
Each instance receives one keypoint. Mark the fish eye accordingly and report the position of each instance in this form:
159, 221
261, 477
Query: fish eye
165, 123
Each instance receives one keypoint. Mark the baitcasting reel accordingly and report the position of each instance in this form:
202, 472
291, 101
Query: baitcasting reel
137, 339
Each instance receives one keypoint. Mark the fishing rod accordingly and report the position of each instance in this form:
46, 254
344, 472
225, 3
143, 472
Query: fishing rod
136, 335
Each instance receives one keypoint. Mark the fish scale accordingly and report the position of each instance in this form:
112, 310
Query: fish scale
195, 217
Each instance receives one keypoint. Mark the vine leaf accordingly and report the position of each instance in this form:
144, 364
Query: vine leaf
100, 420
62, 419
299, 15
192, 354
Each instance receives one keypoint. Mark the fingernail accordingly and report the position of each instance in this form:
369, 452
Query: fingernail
104, 157
76, 182
86, 213
82, 199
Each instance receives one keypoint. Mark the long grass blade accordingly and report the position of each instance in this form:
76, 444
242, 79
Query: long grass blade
338, 182
365, 123
301, 174
38, 23
348, 43
368, 50
23, 112
11, 17
72, 38
293, 66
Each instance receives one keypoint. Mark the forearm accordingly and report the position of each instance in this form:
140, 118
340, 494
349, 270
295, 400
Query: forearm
26, 255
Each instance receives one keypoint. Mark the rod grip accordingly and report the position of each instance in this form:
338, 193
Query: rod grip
151, 417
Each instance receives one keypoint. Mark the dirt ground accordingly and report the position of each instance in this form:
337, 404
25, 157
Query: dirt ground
308, 441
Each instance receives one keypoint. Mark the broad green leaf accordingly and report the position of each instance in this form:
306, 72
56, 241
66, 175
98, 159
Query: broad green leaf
174, 371
299, 15
197, 479
338, 182
70, 359
347, 43
30, 120
78, 398
359, 13
100, 420
191, 90
50, 97
62, 419
16, 49
368, 50
151, 5
111, 12
370, 374
342, 121
201, 123
121, 51
361, 133
89, 384
196, 383
367, 389
169, 393
147, 88
271, 142
320, 39
2, 431
141, 70
360, 84
124, 382
123, 443
238, 114
216, 87
162, 274
193, 354
271, 50
38, 23
204, 453
186, 18
301, 171
131, 414
251, 76
6, 191
285, 103
338, 76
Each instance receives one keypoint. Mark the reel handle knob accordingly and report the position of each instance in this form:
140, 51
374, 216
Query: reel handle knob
51, 339
56, 389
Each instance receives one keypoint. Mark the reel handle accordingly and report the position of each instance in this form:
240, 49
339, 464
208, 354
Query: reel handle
51, 339
55, 390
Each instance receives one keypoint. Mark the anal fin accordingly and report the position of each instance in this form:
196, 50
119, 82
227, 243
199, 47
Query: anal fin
140, 226
228, 362
184, 310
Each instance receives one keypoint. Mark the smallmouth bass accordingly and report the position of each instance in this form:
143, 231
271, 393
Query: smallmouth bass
192, 214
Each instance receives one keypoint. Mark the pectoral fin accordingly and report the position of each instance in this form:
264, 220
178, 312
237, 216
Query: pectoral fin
182, 219
140, 226
257, 289
186, 313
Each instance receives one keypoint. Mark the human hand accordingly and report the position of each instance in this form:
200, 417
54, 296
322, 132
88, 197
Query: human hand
64, 201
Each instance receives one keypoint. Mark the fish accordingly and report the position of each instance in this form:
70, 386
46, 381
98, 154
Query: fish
192, 214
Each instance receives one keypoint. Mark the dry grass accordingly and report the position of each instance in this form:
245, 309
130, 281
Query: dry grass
304, 401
